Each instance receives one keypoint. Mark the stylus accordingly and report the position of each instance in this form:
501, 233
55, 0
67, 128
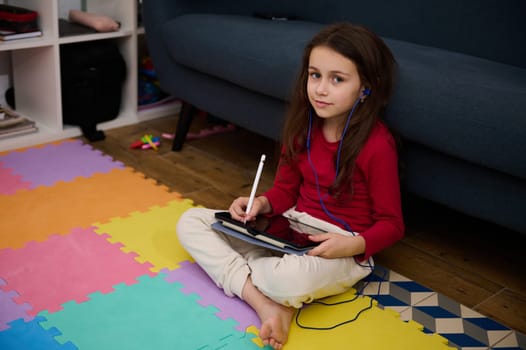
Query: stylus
255, 185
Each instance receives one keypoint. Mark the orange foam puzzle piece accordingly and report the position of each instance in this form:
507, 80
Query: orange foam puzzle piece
36, 214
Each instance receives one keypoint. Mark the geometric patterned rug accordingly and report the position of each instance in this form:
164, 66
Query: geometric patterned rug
89, 259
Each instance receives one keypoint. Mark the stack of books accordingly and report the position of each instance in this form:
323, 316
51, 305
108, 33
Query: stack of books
12, 123
6, 35
18, 23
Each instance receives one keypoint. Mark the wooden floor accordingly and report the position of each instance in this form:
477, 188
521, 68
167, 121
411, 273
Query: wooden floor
443, 250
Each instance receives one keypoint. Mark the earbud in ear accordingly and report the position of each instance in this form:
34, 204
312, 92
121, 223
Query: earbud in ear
365, 92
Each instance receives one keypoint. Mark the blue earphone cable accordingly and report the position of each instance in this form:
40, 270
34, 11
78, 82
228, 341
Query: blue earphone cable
320, 197
339, 220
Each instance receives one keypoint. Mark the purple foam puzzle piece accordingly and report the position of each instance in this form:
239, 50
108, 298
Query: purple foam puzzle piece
58, 162
9, 310
195, 280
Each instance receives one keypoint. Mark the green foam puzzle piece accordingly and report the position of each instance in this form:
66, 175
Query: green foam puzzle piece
152, 314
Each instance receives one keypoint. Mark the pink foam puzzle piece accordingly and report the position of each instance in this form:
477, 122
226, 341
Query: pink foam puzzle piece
9, 182
195, 280
67, 267
9, 310
45, 165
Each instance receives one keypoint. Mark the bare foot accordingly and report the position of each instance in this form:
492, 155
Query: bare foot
275, 324
275, 318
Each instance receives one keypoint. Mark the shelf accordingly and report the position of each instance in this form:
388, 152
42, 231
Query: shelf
25, 43
35, 71
94, 36
43, 135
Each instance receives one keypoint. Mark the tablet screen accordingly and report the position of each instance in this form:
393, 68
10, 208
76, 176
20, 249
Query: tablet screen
285, 230
292, 233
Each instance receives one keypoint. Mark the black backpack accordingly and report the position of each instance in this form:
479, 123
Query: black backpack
92, 75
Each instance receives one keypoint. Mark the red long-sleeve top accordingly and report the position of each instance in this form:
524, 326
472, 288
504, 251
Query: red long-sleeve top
374, 210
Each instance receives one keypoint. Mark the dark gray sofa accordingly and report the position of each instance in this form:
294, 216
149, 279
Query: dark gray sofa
460, 103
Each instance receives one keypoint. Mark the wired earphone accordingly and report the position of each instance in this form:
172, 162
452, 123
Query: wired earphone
365, 92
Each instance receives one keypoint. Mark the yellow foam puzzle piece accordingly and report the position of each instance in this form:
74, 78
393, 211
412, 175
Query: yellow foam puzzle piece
374, 328
150, 234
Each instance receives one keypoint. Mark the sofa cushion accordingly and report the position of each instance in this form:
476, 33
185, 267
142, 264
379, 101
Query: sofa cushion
457, 104
258, 54
461, 105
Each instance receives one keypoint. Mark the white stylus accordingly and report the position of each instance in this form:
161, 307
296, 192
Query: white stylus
255, 184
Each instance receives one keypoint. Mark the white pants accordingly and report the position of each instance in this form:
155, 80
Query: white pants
288, 279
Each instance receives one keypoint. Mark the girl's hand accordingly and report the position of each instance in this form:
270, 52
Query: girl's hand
335, 245
239, 206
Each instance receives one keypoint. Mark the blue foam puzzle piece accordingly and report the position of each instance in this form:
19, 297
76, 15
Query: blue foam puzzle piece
30, 335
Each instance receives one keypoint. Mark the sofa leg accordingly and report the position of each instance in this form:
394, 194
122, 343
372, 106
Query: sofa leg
183, 125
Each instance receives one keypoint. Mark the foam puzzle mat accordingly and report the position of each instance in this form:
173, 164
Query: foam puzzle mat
89, 259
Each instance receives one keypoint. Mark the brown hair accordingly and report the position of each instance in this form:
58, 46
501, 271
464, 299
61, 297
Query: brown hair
376, 67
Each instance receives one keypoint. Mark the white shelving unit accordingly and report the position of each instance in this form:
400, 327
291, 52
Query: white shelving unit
35, 71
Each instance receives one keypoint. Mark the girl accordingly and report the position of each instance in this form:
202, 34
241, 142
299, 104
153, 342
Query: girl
338, 171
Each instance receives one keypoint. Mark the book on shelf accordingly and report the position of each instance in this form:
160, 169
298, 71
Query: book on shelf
6, 35
12, 123
18, 22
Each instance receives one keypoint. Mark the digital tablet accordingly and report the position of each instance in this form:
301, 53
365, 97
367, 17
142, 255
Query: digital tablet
276, 230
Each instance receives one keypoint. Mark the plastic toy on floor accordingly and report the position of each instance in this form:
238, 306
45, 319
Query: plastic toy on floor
147, 142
